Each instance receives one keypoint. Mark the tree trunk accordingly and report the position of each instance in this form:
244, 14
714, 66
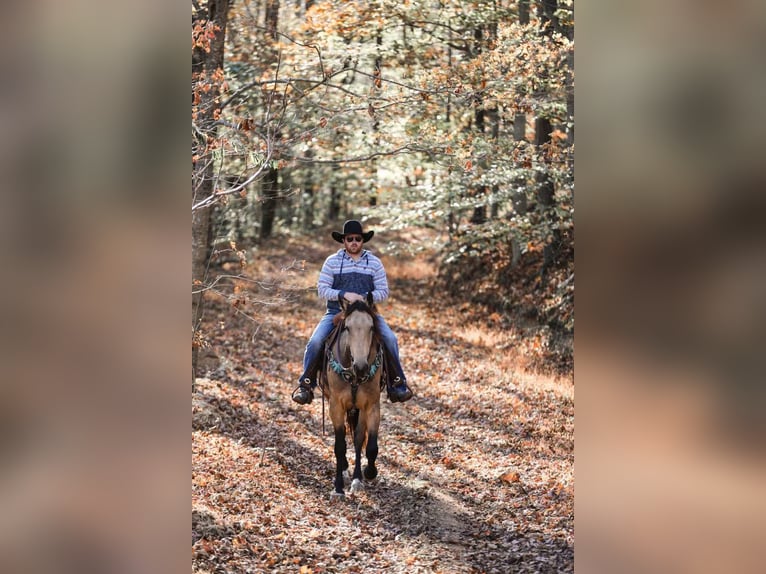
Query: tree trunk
269, 186
479, 193
333, 209
569, 83
519, 191
570, 97
272, 18
546, 11
200, 243
270, 191
376, 90
520, 126
309, 193
286, 208
519, 195
545, 190
494, 122
524, 12
479, 214
204, 64
545, 185
448, 112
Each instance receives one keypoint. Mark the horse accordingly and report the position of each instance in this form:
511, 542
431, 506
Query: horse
353, 391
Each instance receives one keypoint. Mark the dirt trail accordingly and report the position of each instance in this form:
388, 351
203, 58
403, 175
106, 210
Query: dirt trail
476, 472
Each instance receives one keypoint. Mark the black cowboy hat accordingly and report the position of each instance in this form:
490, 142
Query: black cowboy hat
352, 226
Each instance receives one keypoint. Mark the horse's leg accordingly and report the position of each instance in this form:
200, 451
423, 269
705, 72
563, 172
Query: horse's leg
339, 425
352, 416
359, 437
373, 423
340, 458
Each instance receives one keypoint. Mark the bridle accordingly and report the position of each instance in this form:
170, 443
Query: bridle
348, 373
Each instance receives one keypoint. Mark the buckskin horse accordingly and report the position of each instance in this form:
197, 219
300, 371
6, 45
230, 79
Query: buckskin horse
352, 383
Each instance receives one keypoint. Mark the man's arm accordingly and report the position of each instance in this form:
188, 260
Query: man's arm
324, 284
380, 280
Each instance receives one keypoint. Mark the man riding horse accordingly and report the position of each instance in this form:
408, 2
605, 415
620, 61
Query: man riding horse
351, 274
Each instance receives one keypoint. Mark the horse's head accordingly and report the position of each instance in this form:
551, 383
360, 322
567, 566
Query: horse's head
359, 330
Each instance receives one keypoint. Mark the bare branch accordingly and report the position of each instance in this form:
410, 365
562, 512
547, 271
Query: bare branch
218, 194
407, 148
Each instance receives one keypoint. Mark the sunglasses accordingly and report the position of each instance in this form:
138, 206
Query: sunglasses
356, 239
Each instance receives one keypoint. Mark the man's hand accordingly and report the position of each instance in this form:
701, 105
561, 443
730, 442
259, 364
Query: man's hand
351, 297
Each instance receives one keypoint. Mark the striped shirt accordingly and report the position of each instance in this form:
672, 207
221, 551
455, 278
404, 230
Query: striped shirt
340, 273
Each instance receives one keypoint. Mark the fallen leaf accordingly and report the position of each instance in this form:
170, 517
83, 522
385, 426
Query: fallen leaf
509, 477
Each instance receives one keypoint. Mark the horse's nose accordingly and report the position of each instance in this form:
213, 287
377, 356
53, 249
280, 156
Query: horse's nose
360, 367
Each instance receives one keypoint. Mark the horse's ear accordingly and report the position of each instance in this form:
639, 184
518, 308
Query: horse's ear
369, 298
343, 304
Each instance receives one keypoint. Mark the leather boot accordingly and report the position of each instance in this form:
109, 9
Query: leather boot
303, 395
398, 391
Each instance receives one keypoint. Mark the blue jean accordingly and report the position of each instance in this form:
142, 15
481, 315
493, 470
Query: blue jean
315, 347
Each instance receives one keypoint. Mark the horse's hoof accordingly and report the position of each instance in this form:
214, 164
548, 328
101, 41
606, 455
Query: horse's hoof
356, 485
370, 473
337, 495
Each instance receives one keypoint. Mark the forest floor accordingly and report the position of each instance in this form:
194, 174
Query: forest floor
476, 472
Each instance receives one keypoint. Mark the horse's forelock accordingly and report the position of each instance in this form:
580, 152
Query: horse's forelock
363, 306
358, 306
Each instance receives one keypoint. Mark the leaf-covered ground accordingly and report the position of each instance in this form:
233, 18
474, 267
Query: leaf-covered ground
476, 473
